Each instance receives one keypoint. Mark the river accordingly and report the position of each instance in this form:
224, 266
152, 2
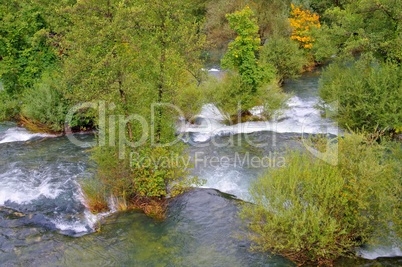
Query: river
44, 223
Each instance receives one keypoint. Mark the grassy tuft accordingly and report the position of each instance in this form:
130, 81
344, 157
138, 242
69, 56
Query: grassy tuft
95, 195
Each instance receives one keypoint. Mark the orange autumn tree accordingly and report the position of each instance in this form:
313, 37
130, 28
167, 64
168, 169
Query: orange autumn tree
302, 21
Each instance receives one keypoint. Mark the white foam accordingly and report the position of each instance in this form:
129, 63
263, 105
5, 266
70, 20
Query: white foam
381, 252
18, 134
301, 117
226, 178
85, 224
16, 188
210, 111
257, 111
214, 70
90, 220
75, 226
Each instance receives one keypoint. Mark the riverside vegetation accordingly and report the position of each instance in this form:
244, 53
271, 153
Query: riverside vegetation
132, 54
313, 212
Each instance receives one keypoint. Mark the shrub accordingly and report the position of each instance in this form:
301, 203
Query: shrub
112, 173
190, 100
248, 82
368, 94
95, 195
313, 212
273, 99
302, 21
9, 107
285, 55
142, 180
228, 93
44, 105
153, 169
248, 77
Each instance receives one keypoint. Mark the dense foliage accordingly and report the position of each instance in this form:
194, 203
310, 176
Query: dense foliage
249, 77
367, 94
139, 66
366, 26
365, 79
37, 38
277, 51
314, 212
137, 72
302, 21
242, 52
30, 33
271, 16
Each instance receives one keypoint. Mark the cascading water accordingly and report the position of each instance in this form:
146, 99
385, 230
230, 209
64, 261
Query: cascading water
40, 196
38, 178
239, 144
18, 134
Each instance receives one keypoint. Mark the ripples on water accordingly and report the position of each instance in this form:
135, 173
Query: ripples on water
44, 223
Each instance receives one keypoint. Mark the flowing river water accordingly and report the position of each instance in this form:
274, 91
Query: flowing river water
43, 221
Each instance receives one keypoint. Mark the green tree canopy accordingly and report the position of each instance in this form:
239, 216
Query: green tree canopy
136, 56
365, 26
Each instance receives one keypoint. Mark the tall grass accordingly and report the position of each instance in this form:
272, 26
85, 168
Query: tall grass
95, 195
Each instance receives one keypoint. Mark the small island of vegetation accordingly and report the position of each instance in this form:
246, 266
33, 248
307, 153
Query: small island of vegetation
129, 69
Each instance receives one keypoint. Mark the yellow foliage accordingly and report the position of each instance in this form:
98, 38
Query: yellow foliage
302, 21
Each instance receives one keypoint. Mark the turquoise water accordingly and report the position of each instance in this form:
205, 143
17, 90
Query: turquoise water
44, 223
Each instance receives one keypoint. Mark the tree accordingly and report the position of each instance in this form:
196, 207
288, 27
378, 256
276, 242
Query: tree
30, 33
365, 26
136, 59
285, 55
25, 50
320, 6
271, 17
365, 37
302, 21
242, 56
242, 52
43, 106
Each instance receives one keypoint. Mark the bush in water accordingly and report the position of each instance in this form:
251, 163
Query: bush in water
368, 94
228, 93
142, 180
190, 100
286, 56
95, 195
313, 212
44, 107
